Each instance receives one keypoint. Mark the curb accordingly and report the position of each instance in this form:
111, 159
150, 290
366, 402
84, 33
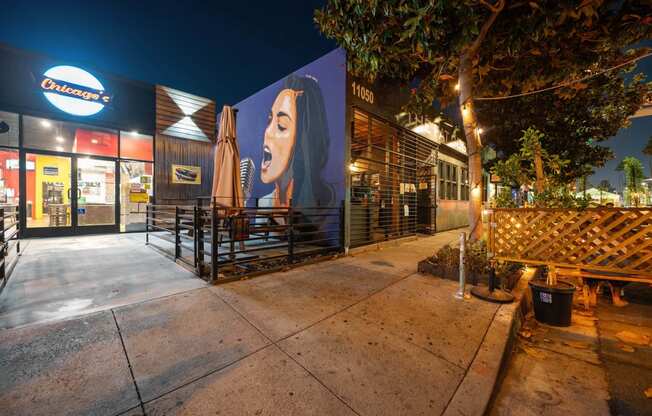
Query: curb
476, 390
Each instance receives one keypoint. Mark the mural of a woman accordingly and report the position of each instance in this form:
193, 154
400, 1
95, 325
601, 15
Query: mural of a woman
295, 147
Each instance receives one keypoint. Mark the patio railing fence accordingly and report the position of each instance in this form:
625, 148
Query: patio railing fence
9, 242
613, 241
221, 244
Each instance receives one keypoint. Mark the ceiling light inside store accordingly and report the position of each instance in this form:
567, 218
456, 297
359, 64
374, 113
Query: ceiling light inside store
46, 124
94, 141
134, 132
59, 148
60, 139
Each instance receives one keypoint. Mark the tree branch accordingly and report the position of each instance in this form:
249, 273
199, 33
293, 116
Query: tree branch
495, 11
491, 7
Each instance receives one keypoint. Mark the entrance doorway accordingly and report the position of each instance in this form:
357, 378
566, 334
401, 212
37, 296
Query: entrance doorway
69, 194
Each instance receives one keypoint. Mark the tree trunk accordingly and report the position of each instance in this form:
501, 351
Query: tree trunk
473, 146
538, 169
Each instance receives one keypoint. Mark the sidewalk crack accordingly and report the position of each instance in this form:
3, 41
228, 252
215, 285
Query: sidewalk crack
131, 370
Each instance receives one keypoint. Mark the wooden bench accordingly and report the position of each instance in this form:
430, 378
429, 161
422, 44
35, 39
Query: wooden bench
592, 280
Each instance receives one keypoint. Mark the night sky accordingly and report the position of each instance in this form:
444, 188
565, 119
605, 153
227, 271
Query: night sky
225, 50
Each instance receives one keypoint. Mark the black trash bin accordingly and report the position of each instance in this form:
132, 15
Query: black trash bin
553, 305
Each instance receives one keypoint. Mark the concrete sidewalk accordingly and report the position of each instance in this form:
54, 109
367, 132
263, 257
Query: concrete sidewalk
362, 335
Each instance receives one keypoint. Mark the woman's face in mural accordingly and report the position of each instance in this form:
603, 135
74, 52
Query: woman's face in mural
280, 136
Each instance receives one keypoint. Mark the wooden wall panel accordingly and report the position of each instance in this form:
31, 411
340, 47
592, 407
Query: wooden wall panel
183, 115
173, 151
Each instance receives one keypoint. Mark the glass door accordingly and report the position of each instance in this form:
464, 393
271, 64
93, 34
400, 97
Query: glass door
96, 193
49, 191
69, 195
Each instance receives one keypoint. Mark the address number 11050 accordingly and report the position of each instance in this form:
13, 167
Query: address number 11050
362, 93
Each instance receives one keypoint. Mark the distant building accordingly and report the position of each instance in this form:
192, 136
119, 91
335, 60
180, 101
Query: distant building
602, 197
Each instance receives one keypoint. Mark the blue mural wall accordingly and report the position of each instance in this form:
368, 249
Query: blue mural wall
292, 137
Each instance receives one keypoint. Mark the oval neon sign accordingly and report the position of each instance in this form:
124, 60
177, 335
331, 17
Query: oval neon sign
74, 90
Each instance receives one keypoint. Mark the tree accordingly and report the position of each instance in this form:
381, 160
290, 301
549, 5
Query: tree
632, 168
483, 49
605, 186
647, 150
572, 127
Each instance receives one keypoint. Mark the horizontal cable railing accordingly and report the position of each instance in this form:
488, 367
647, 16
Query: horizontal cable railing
221, 243
9, 242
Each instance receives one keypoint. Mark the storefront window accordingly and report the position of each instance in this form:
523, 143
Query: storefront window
447, 181
464, 186
135, 192
136, 146
9, 177
9, 127
40, 133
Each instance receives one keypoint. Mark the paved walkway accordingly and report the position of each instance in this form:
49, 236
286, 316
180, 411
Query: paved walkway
359, 335
600, 365
63, 277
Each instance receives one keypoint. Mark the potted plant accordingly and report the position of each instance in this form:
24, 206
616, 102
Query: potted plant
445, 263
552, 298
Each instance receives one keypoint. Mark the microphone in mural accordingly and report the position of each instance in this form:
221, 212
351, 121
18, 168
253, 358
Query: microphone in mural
295, 146
247, 173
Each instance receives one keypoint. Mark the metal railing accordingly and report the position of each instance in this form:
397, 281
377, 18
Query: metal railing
9, 243
225, 243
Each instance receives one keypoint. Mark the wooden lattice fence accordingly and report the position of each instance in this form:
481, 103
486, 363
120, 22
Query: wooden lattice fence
611, 240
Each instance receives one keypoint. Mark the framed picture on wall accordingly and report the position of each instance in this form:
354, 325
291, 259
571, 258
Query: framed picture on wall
189, 175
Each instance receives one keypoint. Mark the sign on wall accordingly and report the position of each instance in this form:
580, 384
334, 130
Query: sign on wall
189, 175
74, 90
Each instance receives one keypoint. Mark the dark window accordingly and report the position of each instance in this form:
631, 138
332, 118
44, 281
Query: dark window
8, 129
464, 185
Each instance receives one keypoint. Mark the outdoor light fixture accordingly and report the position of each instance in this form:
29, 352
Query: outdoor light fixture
46, 124
480, 130
457, 86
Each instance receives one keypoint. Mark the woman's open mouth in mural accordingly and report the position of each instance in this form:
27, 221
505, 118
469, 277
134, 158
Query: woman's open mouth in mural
267, 158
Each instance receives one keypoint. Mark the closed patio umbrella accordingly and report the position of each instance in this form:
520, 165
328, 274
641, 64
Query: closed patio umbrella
227, 189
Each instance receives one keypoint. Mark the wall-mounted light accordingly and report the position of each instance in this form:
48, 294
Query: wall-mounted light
465, 111
480, 131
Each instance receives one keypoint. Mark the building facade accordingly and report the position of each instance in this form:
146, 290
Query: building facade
83, 151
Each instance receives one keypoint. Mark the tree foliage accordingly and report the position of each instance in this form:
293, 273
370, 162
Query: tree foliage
484, 48
632, 168
572, 128
528, 45
647, 150
605, 186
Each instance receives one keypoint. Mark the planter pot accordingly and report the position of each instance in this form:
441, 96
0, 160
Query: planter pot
553, 305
